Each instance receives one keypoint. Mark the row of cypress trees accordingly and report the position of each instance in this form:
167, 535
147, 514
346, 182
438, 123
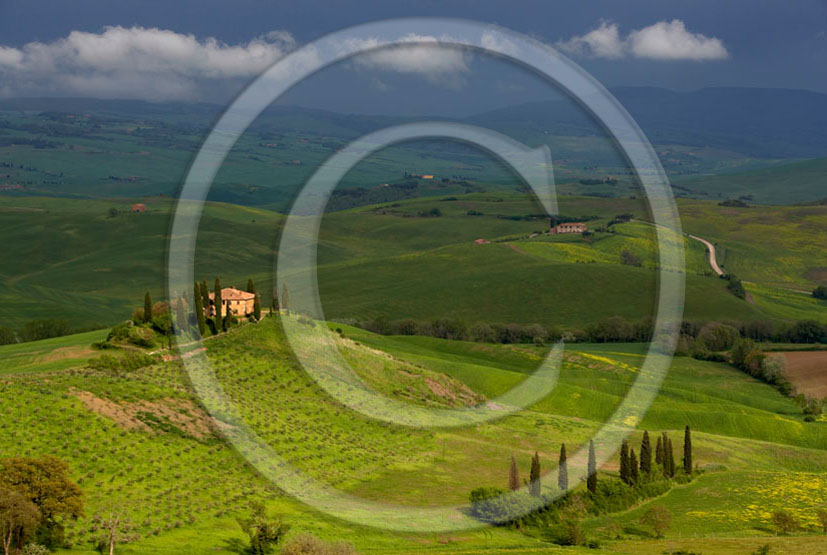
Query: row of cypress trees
631, 467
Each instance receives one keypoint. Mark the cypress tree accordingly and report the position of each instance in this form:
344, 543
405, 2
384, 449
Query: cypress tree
285, 299
199, 309
591, 481
645, 455
219, 323
668, 458
514, 475
251, 288
180, 317
274, 307
634, 474
147, 307
536, 486
659, 452
687, 451
563, 470
257, 308
225, 321
205, 294
625, 474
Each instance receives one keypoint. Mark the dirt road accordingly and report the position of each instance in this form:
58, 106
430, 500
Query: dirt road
710, 249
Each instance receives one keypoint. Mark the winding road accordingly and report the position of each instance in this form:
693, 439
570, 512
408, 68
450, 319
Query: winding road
710, 249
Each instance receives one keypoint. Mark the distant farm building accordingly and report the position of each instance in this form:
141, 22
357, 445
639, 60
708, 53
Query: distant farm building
138, 208
481, 242
568, 227
239, 303
427, 176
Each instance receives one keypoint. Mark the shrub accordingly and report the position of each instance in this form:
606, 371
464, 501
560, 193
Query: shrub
717, 336
784, 522
35, 549
630, 259
659, 518
120, 332
482, 333
308, 544
493, 506
129, 362
820, 292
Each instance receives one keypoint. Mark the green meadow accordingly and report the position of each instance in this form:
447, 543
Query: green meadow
182, 486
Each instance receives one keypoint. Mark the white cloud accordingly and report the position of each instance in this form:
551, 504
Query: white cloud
135, 62
438, 64
660, 41
603, 42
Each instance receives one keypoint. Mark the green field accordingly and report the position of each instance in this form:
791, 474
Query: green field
183, 486
388, 260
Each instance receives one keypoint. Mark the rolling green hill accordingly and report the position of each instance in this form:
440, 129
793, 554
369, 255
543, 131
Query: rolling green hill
182, 486
77, 260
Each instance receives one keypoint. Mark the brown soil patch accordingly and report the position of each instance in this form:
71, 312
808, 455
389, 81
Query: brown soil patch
144, 415
516, 248
818, 274
807, 371
63, 353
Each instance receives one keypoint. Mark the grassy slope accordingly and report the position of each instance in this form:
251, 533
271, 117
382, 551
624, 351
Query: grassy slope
190, 498
51, 271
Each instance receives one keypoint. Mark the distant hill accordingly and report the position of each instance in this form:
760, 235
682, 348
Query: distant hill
764, 123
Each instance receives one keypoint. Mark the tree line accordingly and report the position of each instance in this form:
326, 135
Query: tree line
613, 329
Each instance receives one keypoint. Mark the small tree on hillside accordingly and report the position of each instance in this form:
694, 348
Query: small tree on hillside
820, 292
513, 475
669, 458
821, 514
257, 308
625, 473
634, 473
264, 533
591, 481
113, 528
18, 517
687, 451
659, 518
563, 470
285, 299
784, 522
645, 455
199, 310
534, 476
147, 307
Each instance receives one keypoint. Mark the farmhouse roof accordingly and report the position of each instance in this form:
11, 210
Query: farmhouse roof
233, 294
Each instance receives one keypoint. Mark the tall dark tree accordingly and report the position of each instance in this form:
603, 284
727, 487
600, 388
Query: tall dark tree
251, 288
274, 307
147, 307
645, 454
668, 457
659, 452
285, 299
180, 317
219, 322
257, 308
199, 309
687, 451
625, 472
535, 485
634, 473
513, 475
563, 470
591, 481
205, 294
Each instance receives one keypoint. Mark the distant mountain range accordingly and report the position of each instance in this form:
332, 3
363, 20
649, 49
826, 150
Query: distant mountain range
756, 122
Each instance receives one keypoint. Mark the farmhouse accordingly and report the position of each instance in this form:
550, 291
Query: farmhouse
568, 227
239, 303
138, 208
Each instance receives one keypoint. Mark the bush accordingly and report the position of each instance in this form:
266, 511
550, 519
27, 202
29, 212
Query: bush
35, 549
482, 333
308, 544
659, 518
129, 362
494, 506
630, 259
717, 336
784, 522
7, 336
820, 292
